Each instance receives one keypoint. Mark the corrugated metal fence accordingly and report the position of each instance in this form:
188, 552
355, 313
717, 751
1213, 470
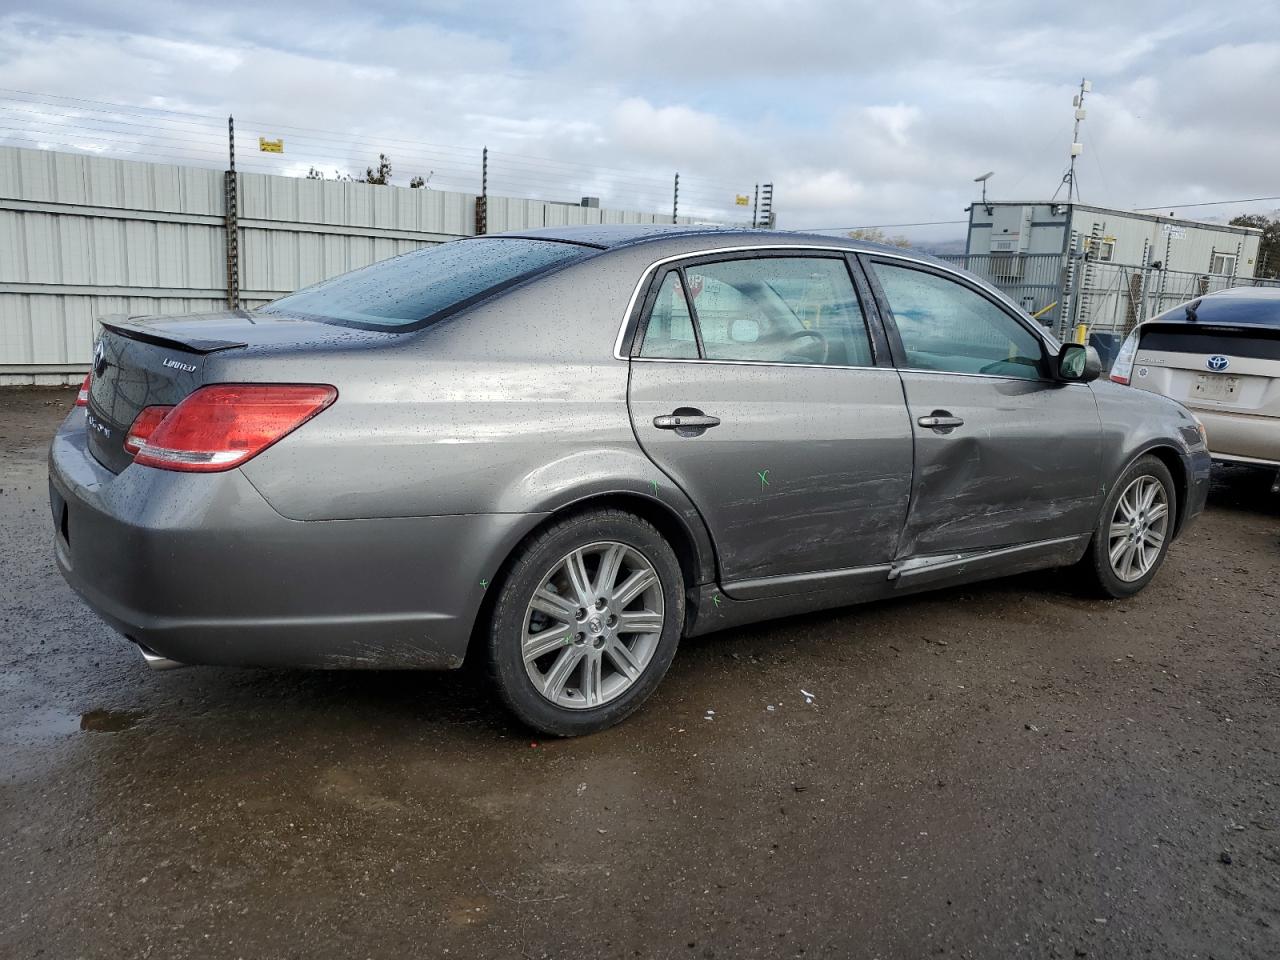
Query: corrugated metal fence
85, 237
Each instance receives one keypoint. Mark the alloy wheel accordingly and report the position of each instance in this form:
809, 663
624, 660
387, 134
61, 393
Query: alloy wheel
593, 625
1138, 528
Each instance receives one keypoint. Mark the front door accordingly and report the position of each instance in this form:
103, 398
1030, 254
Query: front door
755, 389
1004, 454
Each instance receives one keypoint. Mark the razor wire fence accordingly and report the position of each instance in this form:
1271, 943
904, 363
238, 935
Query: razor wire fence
265, 146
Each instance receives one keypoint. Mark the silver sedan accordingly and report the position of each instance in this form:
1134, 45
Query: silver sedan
566, 450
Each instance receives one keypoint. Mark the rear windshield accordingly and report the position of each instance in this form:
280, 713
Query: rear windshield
427, 284
1205, 338
1258, 309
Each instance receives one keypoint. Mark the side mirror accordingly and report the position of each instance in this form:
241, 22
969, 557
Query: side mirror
1078, 363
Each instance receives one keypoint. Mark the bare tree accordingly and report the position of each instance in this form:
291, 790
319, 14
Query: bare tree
382, 176
378, 176
876, 235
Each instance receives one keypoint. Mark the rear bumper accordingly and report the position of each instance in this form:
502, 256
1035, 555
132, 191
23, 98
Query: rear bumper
1242, 436
200, 569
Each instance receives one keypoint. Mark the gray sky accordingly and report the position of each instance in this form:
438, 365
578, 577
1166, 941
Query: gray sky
860, 113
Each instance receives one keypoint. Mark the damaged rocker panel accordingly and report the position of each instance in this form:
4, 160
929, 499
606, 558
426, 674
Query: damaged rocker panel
917, 570
913, 570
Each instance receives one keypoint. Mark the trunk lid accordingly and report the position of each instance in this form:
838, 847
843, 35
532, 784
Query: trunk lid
1232, 368
149, 361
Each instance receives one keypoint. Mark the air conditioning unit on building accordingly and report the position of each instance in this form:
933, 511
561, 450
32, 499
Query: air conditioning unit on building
1011, 229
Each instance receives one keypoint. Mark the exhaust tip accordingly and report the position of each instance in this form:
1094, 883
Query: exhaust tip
157, 662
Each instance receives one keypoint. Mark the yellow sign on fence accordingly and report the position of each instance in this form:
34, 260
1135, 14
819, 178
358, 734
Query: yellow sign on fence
742, 201
271, 146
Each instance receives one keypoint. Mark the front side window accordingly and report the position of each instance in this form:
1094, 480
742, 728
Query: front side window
426, 284
945, 326
779, 310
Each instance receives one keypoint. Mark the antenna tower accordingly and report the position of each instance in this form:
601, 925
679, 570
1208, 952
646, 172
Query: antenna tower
1077, 148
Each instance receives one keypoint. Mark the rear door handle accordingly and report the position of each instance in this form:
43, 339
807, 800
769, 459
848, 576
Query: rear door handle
940, 420
677, 421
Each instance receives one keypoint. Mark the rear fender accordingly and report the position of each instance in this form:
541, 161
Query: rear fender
582, 476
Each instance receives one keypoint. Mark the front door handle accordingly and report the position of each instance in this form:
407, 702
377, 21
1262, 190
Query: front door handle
673, 421
941, 420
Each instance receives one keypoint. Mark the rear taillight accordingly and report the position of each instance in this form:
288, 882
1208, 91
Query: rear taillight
82, 398
219, 427
1122, 367
143, 426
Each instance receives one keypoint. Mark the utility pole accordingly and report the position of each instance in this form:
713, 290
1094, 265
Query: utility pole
766, 206
675, 199
482, 201
231, 216
755, 207
1077, 148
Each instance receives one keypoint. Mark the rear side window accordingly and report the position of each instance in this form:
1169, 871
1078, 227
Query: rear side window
427, 284
767, 310
1197, 339
669, 333
945, 326
780, 310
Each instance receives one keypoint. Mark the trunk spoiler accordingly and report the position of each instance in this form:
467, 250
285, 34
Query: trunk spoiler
190, 343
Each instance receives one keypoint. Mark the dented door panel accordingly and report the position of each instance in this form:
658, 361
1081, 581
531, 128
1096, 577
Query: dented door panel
1024, 465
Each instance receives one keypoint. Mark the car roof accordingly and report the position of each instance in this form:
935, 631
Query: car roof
616, 236
1244, 293
1265, 296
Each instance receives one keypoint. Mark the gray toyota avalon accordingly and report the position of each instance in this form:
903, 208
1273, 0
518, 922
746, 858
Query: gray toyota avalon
564, 450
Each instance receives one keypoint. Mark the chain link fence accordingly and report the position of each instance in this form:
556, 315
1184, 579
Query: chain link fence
1063, 292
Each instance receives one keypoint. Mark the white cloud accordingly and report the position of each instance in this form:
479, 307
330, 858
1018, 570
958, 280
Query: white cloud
860, 113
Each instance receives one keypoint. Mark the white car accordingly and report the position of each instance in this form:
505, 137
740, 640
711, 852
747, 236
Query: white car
1219, 355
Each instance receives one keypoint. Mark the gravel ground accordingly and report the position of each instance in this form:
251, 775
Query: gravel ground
1005, 770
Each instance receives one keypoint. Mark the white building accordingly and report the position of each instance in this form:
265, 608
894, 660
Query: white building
1074, 263
1119, 236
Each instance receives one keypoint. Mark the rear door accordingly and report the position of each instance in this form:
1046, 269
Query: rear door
755, 387
1004, 455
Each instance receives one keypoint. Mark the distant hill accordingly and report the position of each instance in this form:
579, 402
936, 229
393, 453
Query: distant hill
940, 248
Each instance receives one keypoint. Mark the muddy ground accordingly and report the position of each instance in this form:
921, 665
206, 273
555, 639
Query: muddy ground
1006, 770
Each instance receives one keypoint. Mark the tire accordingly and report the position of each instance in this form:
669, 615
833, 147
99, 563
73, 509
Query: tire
590, 666
1144, 488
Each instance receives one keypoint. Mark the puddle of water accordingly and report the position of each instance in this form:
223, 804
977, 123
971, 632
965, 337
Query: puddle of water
25, 743
44, 724
109, 721
50, 723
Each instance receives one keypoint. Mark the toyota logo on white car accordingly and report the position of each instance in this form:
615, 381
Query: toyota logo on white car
1217, 362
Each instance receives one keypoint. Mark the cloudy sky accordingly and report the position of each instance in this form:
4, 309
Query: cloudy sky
859, 113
